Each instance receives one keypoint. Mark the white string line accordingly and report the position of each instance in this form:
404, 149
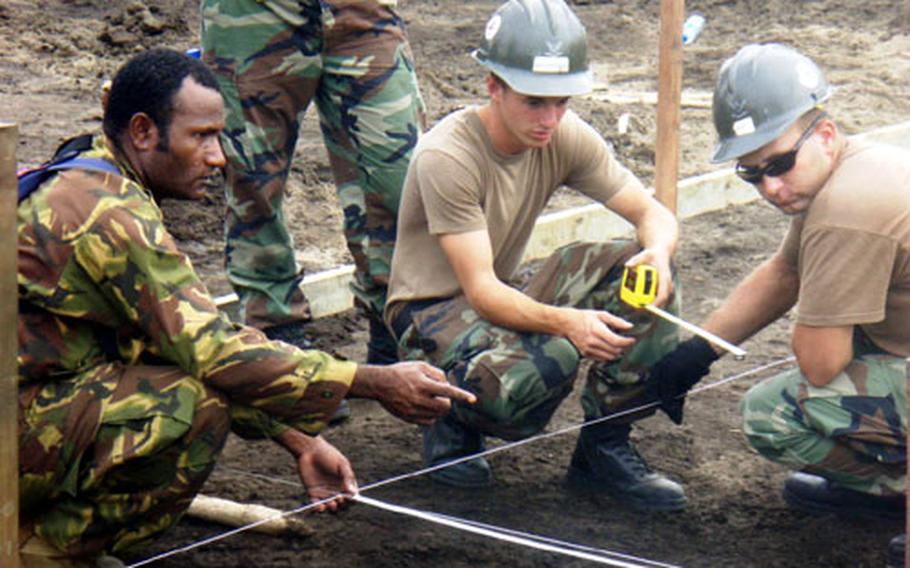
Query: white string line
425, 470
571, 545
602, 557
569, 428
492, 528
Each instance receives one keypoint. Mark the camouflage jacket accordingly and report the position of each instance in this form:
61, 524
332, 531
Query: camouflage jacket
101, 280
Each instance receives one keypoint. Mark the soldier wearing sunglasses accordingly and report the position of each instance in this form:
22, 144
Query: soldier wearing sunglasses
840, 418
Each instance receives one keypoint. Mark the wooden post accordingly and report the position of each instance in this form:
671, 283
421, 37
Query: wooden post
669, 88
9, 398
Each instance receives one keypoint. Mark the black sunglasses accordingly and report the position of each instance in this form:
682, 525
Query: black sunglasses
780, 164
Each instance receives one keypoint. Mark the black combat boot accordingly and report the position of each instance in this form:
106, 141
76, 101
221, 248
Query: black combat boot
447, 440
605, 460
897, 550
816, 495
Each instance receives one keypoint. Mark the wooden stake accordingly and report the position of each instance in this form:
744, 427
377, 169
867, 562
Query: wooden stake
9, 407
669, 88
235, 514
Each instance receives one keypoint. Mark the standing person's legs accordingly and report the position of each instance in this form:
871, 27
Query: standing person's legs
268, 64
371, 114
113, 457
848, 437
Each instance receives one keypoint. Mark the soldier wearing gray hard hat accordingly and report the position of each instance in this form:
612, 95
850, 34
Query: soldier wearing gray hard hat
840, 418
476, 184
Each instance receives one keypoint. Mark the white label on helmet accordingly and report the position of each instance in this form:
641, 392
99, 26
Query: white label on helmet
551, 64
492, 27
744, 126
807, 75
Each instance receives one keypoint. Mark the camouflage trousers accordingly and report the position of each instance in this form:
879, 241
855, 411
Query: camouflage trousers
112, 457
520, 378
852, 431
272, 58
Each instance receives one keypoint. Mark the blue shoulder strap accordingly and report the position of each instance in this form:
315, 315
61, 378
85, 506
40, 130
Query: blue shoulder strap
30, 180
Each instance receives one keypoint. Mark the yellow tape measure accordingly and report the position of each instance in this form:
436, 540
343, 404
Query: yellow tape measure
639, 285
639, 290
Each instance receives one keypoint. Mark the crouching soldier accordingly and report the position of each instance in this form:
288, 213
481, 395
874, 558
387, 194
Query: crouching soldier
129, 377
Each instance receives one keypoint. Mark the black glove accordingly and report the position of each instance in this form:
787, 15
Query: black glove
677, 372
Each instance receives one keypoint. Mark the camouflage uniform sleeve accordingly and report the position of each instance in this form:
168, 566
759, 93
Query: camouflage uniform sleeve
127, 251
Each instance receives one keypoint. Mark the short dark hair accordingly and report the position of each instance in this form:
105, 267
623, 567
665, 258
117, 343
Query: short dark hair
500, 80
148, 83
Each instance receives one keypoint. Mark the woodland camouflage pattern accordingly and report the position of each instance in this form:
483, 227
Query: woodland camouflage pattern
129, 377
520, 378
272, 58
852, 431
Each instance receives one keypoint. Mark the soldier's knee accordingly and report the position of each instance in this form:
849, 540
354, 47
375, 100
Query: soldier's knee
529, 389
553, 362
757, 398
773, 421
758, 407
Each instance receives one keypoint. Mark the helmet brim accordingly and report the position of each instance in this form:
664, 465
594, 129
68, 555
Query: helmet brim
734, 148
532, 84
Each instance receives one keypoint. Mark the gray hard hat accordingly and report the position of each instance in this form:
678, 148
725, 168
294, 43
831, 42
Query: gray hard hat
538, 47
760, 92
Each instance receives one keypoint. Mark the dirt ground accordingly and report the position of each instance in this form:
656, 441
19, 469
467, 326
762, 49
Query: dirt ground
57, 53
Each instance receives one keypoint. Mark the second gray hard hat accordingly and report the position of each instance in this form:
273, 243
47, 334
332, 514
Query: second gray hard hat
760, 92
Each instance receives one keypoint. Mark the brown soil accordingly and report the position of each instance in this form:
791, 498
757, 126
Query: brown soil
56, 55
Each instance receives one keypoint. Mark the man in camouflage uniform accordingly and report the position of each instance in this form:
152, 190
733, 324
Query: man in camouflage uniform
129, 377
272, 57
840, 418
477, 183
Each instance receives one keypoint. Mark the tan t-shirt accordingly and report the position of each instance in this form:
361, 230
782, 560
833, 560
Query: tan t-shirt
852, 247
457, 182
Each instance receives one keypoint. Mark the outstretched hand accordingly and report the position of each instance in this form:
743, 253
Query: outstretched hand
418, 393
676, 373
323, 470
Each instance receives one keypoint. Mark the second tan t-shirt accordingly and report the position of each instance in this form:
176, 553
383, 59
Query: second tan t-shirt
852, 247
457, 182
